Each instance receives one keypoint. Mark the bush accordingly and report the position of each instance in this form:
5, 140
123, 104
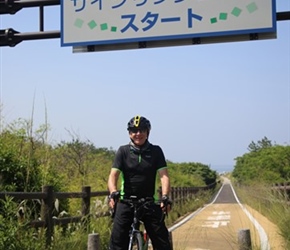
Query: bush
15, 231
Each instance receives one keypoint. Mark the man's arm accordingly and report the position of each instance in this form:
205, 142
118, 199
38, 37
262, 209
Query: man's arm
165, 187
112, 184
113, 180
165, 182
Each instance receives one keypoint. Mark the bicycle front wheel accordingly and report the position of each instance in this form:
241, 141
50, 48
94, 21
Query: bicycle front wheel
136, 242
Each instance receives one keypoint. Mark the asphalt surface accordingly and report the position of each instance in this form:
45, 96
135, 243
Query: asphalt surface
226, 195
217, 226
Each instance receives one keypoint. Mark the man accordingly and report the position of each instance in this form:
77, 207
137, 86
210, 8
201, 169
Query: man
138, 164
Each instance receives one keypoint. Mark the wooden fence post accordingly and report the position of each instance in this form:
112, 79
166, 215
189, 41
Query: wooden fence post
192, 192
172, 194
244, 239
94, 242
183, 195
46, 212
179, 196
86, 201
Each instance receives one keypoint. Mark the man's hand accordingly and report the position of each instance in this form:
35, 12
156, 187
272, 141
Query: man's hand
166, 204
113, 198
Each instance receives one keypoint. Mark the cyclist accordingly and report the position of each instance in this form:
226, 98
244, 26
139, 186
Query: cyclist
138, 164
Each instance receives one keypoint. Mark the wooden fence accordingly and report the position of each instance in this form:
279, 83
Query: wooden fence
48, 197
282, 192
179, 195
282, 187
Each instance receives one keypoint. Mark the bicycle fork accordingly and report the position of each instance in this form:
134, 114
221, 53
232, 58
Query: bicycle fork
135, 230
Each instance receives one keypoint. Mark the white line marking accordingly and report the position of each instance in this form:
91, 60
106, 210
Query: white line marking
263, 236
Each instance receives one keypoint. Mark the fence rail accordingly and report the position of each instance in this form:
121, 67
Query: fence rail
48, 197
179, 195
282, 191
282, 187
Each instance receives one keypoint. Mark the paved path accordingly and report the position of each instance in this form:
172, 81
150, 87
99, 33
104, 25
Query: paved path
216, 226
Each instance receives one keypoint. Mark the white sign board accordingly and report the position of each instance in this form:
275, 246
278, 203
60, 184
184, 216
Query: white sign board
105, 22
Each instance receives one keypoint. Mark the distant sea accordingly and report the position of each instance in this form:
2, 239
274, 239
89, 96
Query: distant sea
222, 168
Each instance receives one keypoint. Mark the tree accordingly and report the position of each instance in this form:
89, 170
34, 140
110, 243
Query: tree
263, 164
264, 143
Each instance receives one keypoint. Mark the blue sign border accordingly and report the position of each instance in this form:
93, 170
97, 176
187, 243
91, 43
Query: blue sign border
272, 29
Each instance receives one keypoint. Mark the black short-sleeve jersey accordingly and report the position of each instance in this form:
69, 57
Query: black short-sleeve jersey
138, 169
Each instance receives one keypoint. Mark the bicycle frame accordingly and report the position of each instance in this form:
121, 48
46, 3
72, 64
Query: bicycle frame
136, 236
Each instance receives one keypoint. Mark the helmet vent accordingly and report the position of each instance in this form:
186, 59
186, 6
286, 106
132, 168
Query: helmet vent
137, 120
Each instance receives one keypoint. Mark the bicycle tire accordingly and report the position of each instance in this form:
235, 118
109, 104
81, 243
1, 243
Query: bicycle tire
136, 242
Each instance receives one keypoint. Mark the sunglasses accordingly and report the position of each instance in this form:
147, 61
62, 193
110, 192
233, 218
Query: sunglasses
135, 130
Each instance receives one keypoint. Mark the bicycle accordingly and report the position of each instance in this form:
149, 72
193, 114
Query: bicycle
138, 239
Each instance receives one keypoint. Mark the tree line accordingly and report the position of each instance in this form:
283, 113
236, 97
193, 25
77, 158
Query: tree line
28, 162
265, 162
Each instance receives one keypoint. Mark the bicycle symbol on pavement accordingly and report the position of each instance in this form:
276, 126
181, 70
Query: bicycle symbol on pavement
217, 219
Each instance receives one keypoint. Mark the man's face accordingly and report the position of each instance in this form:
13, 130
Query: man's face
138, 136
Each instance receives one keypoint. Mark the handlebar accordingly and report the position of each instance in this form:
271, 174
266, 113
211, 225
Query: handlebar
135, 201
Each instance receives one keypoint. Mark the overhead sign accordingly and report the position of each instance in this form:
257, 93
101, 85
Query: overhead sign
108, 22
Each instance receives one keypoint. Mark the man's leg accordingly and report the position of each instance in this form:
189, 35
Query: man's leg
157, 229
122, 222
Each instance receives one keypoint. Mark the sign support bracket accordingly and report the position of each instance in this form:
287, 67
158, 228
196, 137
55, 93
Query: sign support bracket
10, 37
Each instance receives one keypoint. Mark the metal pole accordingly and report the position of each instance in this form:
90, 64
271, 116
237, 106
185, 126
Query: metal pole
13, 6
41, 18
283, 16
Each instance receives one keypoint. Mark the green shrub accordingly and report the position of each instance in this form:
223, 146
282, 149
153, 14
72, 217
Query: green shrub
15, 231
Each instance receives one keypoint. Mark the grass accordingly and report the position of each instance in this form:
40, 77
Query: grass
179, 211
77, 238
272, 204
74, 235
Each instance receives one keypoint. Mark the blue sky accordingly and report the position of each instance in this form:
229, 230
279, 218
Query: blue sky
206, 103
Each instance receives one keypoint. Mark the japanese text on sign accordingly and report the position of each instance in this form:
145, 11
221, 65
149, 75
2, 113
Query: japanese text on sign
117, 21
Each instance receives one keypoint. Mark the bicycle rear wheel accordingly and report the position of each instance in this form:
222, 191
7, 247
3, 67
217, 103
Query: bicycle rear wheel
136, 242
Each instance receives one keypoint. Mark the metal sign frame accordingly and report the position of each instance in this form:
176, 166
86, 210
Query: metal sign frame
89, 26
10, 37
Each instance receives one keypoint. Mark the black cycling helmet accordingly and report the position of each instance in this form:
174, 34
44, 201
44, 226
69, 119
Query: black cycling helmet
139, 122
